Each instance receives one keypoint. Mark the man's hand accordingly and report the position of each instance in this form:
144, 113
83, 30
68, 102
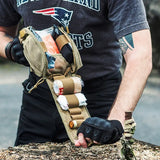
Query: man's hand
14, 52
99, 131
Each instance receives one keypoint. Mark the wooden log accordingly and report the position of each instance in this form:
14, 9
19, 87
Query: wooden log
67, 151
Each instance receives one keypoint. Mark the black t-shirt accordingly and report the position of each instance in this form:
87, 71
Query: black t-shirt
94, 25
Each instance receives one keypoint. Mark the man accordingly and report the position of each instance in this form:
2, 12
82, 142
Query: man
99, 28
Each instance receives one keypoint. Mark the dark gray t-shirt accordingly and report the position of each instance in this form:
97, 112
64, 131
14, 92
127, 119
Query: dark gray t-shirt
94, 25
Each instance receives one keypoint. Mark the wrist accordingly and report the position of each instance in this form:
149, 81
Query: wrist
117, 114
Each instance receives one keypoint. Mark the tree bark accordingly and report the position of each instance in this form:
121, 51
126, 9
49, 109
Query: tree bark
67, 151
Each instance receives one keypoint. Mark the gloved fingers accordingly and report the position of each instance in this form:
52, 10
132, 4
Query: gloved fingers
18, 48
17, 52
24, 61
14, 52
18, 55
105, 138
117, 124
115, 136
93, 134
90, 133
87, 131
101, 131
111, 135
117, 131
97, 135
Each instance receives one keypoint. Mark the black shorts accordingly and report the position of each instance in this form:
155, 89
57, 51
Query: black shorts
39, 119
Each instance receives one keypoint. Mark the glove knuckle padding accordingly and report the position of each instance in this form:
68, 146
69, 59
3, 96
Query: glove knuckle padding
97, 134
101, 130
14, 52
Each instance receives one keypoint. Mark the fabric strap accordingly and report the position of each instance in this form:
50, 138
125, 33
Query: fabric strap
68, 85
61, 41
79, 116
72, 100
75, 111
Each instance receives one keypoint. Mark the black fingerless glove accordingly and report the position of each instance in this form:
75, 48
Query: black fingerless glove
14, 52
101, 130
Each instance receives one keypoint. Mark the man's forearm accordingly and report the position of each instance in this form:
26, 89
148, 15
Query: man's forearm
4, 41
131, 88
138, 68
6, 34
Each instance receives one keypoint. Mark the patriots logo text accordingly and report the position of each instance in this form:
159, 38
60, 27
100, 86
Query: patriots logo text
63, 16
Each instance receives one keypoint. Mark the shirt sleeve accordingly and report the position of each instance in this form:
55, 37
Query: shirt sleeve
127, 16
8, 13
